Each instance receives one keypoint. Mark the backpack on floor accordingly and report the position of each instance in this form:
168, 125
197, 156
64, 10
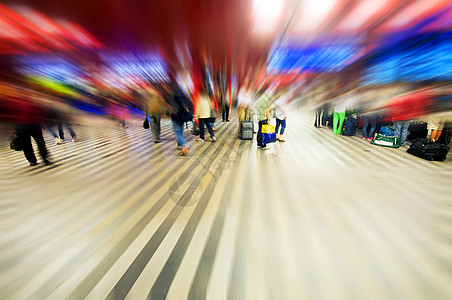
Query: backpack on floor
349, 126
385, 130
428, 150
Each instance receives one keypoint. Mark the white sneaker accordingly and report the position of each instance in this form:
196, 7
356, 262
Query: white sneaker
214, 139
75, 139
58, 141
200, 139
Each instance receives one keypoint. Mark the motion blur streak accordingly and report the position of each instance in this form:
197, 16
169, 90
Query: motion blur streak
138, 157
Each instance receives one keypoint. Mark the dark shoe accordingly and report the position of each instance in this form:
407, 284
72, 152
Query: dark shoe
158, 141
228, 121
48, 163
33, 164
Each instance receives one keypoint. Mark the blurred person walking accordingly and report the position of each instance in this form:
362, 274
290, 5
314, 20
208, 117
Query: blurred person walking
204, 108
59, 138
263, 116
181, 112
155, 111
225, 107
29, 122
280, 116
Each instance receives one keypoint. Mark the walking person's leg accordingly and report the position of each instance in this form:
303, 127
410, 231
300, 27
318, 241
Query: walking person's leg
153, 125
23, 131
283, 128
210, 129
341, 122
36, 133
278, 123
158, 119
373, 126
201, 128
405, 125
335, 121
60, 130
71, 132
365, 124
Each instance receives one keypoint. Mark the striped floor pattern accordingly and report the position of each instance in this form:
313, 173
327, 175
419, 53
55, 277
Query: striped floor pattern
318, 217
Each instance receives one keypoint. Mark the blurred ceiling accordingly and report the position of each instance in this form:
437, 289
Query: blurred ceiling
227, 33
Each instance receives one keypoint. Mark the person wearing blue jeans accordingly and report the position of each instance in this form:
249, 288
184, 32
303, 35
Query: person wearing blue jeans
401, 130
279, 134
59, 139
202, 122
369, 120
178, 128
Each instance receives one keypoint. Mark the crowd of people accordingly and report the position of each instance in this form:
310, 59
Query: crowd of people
395, 107
32, 111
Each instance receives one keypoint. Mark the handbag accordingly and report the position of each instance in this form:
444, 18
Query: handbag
15, 142
268, 134
213, 114
146, 124
195, 129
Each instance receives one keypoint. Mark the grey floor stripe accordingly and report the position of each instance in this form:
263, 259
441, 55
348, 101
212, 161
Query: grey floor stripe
201, 279
128, 279
91, 280
161, 286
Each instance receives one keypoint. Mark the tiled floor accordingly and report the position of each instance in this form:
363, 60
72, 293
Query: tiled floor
319, 217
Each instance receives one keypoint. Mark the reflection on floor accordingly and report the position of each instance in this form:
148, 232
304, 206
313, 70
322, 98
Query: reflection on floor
318, 217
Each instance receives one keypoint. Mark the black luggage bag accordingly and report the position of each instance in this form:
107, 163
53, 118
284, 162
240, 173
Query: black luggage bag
349, 126
428, 150
417, 130
247, 130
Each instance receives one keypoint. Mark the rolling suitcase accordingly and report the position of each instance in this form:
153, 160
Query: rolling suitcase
417, 130
446, 135
247, 130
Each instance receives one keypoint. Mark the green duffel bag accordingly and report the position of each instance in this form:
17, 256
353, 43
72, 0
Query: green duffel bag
386, 141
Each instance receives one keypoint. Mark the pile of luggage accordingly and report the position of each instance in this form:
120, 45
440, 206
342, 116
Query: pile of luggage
386, 138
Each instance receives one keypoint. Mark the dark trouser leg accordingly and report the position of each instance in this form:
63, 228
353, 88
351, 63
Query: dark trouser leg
60, 130
201, 128
283, 126
36, 133
154, 128
278, 123
28, 148
225, 113
324, 116
365, 124
318, 112
259, 133
373, 126
158, 119
209, 128
49, 128
71, 132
